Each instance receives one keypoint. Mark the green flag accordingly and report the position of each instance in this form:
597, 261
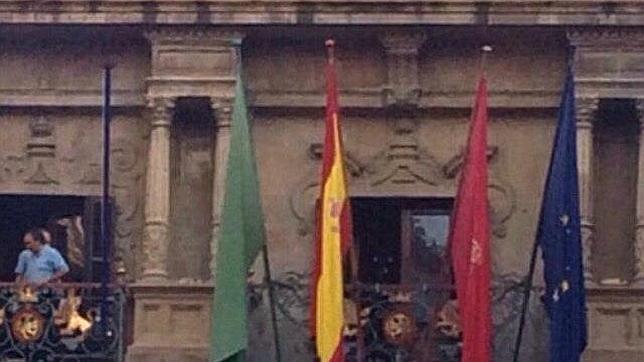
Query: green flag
241, 237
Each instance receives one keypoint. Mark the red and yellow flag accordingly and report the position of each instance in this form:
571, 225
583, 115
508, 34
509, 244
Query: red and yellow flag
333, 232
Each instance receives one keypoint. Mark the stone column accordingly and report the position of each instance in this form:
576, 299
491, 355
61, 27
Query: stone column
639, 226
157, 192
223, 115
586, 112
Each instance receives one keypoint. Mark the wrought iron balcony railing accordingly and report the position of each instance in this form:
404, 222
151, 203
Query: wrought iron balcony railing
406, 323
61, 322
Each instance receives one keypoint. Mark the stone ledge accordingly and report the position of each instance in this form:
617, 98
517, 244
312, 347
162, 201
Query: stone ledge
170, 289
329, 12
158, 354
171, 321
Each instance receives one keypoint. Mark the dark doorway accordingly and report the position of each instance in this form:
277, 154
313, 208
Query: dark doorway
400, 240
19, 213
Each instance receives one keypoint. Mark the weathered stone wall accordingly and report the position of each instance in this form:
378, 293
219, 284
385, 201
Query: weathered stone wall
520, 137
51, 97
73, 165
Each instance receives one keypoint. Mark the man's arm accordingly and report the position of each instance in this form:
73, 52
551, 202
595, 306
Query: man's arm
60, 266
57, 275
20, 269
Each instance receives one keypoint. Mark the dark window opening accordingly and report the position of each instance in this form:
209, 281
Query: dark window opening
72, 221
401, 240
615, 143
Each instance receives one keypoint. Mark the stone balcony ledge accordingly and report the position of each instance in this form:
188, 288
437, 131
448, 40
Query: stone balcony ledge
329, 12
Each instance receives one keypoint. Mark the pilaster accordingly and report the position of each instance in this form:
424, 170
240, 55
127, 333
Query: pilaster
586, 113
639, 226
223, 115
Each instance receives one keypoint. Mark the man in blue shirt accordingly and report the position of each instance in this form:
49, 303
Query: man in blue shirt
39, 263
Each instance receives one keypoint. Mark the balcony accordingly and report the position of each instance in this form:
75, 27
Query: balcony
61, 322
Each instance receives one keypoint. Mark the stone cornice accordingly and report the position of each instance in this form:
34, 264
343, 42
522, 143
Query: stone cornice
607, 37
329, 12
195, 35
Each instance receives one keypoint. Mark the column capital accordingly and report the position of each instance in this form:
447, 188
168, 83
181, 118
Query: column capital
586, 109
161, 110
223, 109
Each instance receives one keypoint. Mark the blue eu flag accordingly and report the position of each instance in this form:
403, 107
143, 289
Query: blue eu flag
560, 239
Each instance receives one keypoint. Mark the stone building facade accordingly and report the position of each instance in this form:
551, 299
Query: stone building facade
407, 72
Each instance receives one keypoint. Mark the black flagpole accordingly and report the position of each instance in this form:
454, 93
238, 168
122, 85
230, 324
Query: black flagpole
105, 200
527, 285
271, 300
533, 258
267, 266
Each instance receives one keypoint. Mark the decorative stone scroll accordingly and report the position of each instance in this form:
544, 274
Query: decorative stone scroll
401, 167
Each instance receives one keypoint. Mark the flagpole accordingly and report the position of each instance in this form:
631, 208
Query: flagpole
267, 266
105, 209
527, 284
271, 301
485, 49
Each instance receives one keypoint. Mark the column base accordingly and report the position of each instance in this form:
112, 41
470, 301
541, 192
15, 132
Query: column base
614, 314
154, 277
638, 282
171, 322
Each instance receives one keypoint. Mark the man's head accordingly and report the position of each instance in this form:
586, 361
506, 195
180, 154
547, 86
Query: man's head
34, 240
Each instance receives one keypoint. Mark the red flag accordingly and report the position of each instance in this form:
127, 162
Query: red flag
470, 239
333, 234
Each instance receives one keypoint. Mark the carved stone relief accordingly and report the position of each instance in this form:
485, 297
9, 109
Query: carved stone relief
400, 164
70, 168
41, 148
401, 48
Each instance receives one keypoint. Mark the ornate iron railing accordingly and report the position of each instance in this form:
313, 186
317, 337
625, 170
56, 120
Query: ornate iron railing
397, 323
61, 322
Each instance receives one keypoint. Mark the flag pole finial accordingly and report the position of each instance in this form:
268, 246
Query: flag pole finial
330, 49
485, 50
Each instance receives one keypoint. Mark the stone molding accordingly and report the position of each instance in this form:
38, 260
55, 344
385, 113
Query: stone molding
373, 98
240, 12
605, 38
194, 35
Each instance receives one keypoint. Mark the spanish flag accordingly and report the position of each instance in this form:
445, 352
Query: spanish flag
333, 232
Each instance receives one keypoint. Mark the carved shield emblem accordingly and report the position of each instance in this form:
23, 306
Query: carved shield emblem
27, 325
